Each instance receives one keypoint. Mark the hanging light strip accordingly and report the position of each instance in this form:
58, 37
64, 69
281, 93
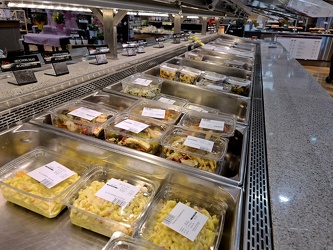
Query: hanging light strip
48, 6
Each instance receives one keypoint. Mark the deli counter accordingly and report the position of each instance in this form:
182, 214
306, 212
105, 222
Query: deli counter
235, 185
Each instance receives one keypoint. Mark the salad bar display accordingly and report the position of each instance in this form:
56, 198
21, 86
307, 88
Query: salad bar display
158, 157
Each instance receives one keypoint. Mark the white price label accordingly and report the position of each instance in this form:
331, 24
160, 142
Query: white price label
199, 143
131, 125
142, 81
166, 100
118, 192
51, 174
212, 124
85, 113
155, 113
199, 109
185, 221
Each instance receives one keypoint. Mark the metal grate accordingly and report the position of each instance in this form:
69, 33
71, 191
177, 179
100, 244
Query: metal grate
257, 222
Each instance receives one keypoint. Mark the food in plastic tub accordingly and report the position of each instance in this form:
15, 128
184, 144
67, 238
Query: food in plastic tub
223, 125
220, 87
123, 242
173, 100
197, 149
169, 71
239, 86
109, 201
194, 56
134, 131
213, 77
175, 209
21, 181
189, 75
81, 117
235, 63
201, 108
142, 85
157, 110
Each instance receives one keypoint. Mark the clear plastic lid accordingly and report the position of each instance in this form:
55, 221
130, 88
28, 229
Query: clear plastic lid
169, 71
169, 99
223, 125
81, 117
189, 75
108, 201
135, 131
237, 81
205, 145
237, 63
219, 86
142, 85
213, 77
163, 219
123, 242
33, 180
201, 108
194, 56
158, 110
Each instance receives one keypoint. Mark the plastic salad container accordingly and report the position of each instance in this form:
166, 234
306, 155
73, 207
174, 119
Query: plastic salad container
201, 108
108, 201
235, 63
239, 86
33, 180
169, 71
123, 242
175, 205
189, 75
142, 85
81, 117
194, 56
169, 99
154, 109
223, 125
213, 81
135, 131
196, 149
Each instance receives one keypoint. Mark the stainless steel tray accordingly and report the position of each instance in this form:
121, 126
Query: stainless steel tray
22, 229
232, 169
110, 100
227, 103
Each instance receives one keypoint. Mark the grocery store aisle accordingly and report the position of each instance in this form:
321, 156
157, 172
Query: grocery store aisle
320, 74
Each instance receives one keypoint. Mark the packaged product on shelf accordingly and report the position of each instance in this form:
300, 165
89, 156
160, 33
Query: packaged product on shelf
134, 131
196, 149
40, 179
169, 71
167, 224
108, 201
189, 75
154, 109
194, 56
81, 117
238, 85
221, 124
142, 85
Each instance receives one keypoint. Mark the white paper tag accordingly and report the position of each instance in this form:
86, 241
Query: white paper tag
212, 124
185, 221
118, 192
155, 113
199, 143
131, 125
199, 109
51, 174
142, 81
166, 100
85, 113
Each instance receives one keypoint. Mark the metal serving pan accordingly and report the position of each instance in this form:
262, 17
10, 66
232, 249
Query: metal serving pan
225, 102
36, 232
110, 100
232, 170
